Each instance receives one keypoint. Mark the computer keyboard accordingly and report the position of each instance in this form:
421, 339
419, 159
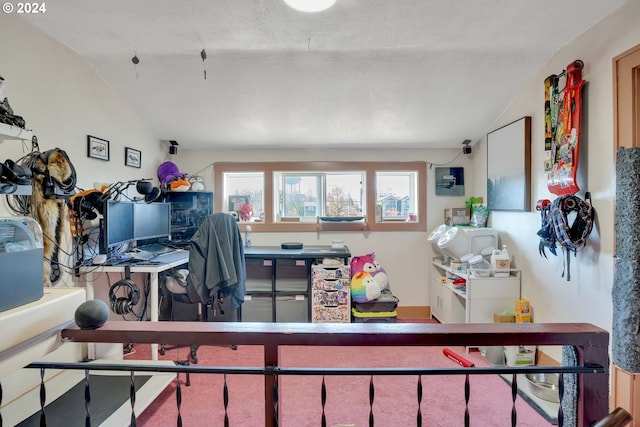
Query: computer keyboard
170, 257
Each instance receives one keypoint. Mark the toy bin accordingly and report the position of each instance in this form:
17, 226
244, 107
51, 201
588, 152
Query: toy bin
374, 316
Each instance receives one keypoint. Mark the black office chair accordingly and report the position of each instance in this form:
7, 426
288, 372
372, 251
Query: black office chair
216, 277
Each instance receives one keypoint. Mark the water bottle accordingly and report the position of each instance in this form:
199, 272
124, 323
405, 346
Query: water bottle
247, 237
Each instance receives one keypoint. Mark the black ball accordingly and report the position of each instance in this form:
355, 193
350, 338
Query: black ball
92, 314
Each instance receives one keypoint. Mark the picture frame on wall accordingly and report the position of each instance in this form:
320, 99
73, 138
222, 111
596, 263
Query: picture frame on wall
97, 148
132, 157
509, 167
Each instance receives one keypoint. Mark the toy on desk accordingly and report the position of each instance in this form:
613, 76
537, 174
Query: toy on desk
171, 179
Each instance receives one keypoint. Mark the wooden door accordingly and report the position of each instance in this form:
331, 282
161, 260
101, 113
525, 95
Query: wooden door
626, 96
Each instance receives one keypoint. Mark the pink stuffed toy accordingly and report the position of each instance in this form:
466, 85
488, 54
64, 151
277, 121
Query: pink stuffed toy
367, 264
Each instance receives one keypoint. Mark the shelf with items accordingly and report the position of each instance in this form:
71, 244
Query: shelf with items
477, 301
279, 286
8, 132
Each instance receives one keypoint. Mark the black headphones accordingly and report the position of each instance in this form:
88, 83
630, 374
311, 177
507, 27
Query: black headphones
123, 305
49, 182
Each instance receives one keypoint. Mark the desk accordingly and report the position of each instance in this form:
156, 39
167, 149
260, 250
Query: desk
152, 269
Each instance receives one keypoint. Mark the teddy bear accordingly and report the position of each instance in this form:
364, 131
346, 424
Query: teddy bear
367, 263
171, 179
364, 288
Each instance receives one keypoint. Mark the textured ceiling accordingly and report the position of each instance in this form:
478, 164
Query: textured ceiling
374, 73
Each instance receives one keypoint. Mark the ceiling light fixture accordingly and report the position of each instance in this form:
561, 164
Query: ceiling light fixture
310, 5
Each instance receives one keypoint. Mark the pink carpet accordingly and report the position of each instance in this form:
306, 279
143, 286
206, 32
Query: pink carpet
395, 402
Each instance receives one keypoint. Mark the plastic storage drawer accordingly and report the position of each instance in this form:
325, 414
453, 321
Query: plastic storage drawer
291, 275
294, 308
257, 309
324, 272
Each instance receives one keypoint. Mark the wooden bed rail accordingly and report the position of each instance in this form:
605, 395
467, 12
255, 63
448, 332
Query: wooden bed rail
590, 341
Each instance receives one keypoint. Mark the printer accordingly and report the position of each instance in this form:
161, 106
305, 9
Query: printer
21, 262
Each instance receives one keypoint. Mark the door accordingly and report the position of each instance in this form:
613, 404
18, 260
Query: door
626, 93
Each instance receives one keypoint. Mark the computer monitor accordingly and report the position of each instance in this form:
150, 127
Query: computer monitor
151, 221
117, 225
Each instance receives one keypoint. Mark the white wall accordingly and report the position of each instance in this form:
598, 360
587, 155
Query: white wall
587, 297
63, 100
404, 255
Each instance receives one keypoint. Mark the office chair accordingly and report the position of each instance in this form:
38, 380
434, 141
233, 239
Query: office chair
216, 274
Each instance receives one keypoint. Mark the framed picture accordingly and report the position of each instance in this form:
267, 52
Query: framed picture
97, 148
509, 167
449, 181
132, 157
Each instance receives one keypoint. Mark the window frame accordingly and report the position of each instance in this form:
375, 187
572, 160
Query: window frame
370, 168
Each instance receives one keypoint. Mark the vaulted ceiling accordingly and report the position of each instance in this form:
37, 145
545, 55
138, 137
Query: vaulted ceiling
364, 73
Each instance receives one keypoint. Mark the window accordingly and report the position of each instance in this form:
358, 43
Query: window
396, 196
244, 195
307, 196
319, 196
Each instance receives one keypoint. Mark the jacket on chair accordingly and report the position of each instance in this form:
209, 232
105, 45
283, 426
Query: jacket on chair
216, 260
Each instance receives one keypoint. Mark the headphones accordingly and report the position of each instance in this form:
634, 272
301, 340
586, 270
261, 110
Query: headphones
49, 182
124, 305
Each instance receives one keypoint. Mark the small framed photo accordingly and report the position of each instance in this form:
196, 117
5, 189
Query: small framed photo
97, 148
132, 157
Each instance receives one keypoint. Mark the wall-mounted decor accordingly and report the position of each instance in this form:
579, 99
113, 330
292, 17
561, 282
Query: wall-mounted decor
132, 157
97, 148
509, 167
449, 181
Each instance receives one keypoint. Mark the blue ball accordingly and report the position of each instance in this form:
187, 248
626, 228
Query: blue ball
92, 314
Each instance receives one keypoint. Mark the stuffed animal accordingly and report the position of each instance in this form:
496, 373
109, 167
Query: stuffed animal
171, 179
364, 288
367, 264
197, 183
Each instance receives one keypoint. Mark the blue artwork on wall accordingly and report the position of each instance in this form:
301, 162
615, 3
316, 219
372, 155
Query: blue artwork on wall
449, 181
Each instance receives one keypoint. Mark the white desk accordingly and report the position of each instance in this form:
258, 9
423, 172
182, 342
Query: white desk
153, 271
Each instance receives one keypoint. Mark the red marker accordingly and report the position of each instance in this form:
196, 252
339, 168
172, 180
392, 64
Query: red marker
457, 358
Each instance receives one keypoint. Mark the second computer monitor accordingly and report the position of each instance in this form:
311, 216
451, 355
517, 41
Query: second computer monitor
151, 221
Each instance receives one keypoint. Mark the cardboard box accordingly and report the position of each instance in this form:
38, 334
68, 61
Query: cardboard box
501, 318
457, 216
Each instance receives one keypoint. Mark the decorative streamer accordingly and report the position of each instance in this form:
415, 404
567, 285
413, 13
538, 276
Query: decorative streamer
203, 55
135, 61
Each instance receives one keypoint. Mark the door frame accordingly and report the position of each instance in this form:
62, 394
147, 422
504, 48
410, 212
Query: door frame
626, 99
